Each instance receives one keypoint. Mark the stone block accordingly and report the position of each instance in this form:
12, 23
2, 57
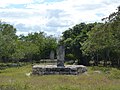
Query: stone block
54, 70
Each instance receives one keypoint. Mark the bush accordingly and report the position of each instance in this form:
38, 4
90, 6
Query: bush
8, 65
70, 57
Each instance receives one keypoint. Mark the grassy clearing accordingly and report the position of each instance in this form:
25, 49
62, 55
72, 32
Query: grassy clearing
16, 79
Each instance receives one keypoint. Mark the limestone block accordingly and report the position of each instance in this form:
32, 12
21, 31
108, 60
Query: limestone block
54, 70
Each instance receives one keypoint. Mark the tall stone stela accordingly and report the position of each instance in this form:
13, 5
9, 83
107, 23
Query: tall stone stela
59, 69
52, 54
60, 56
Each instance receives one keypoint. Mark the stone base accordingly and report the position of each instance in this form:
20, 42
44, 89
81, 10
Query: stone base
54, 70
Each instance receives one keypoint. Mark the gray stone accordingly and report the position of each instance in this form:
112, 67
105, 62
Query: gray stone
52, 54
97, 72
60, 56
60, 68
54, 70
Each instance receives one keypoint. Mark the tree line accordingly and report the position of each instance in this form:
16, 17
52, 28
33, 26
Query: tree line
32, 47
94, 42
87, 44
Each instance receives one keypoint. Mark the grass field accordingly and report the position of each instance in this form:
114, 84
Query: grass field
102, 79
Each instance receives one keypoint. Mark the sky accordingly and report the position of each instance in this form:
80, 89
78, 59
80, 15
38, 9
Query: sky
53, 16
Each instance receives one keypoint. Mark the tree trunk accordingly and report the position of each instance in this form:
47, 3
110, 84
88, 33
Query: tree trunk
96, 60
118, 63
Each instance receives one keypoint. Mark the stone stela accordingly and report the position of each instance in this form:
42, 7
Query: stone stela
52, 54
60, 68
60, 56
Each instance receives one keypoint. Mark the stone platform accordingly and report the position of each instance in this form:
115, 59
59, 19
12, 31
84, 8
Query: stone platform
54, 70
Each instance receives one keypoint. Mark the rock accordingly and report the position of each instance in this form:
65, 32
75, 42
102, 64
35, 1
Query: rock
28, 74
86, 73
54, 70
98, 72
60, 56
60, 68
107, 72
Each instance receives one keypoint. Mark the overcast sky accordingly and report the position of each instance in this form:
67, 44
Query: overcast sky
53, 16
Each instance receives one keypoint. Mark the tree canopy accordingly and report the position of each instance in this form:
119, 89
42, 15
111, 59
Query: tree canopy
34, 46
94, 41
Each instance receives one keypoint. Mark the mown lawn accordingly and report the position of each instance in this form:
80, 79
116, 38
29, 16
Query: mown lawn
102, 79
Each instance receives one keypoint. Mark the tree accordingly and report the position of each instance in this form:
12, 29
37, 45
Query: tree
72, 38
50, 45
44, 44
103, 40
8, 36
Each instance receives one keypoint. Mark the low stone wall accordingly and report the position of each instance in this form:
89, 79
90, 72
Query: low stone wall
54, 70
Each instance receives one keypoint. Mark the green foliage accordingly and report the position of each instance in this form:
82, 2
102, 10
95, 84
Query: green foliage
24, 48
39, 45
70, 56
7, 40
73, 38
103, 41
95, 41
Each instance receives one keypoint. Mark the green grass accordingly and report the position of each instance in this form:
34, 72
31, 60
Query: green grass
16, 79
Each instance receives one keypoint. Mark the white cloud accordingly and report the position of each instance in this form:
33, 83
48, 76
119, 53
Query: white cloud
22, 33
15, 1
55, 17
4, 3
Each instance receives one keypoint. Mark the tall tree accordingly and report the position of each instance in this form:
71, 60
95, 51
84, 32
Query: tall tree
103, 40
8, 36
72, 38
